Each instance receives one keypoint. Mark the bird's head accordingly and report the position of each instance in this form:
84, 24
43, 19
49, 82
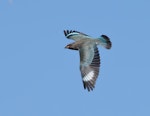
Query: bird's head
70, 46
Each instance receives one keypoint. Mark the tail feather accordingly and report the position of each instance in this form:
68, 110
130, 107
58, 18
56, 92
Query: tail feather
105, 41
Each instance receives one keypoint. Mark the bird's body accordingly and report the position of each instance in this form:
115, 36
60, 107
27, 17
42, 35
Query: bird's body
89, 55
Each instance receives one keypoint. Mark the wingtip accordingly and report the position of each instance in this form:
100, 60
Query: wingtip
66, 32
88, 85
109, 44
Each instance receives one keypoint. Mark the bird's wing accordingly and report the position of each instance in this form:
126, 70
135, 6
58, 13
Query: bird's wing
89, 66
75, 35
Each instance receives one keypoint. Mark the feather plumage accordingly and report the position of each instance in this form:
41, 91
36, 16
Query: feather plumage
75, 35
89, 55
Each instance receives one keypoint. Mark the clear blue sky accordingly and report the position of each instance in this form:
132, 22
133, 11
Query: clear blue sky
38, 77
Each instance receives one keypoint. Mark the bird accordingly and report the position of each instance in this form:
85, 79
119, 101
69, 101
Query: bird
89, 55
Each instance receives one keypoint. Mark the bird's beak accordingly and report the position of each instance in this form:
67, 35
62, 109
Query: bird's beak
67, 46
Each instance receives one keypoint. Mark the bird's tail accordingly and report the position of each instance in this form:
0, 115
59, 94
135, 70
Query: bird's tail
104, 41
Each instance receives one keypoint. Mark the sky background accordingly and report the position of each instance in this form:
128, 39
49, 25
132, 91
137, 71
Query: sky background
38, 77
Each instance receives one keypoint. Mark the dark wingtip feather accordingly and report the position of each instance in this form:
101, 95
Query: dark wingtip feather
88, 85
107, 41
65, 33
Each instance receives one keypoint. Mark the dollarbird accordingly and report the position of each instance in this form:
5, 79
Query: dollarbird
89, 55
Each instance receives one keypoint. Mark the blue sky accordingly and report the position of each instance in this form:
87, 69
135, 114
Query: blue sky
38, 77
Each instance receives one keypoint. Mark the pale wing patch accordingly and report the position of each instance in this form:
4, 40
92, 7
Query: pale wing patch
89, 76
71, 34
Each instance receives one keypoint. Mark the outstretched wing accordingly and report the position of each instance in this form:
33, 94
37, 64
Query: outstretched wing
75, 35
89, 66
104, 41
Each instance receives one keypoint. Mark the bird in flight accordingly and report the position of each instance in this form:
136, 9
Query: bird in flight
89, 55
